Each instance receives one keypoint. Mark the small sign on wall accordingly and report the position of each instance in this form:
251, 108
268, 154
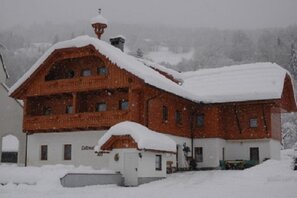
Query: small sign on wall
87, 148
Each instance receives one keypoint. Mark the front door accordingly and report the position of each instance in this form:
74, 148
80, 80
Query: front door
130, 169
254, 154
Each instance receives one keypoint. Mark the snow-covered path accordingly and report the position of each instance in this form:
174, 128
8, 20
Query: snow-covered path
270, 179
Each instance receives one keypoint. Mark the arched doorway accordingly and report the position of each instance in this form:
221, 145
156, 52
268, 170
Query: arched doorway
10, 148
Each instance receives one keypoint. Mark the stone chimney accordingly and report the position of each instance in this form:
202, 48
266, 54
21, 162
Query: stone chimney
99, 23
118, 42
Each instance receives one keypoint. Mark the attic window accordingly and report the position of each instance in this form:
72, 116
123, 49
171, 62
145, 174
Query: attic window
86, 72
102, 71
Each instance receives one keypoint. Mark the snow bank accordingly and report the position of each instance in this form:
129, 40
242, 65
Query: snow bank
270, 179
144, 137
256, 81
42, 176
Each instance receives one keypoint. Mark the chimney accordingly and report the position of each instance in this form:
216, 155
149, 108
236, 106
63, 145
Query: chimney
118, 42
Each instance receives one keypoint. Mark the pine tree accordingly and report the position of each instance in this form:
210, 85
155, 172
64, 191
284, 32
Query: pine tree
293, 60
139, 53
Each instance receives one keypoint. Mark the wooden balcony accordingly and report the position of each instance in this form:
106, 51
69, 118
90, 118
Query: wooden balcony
79, 84
72, 122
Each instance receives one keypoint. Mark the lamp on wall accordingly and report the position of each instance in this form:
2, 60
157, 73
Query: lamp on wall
140, 155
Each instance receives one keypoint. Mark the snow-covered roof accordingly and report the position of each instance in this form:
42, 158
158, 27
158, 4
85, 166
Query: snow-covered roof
122, 60
144, 137
118, 36
99, 19
257, 81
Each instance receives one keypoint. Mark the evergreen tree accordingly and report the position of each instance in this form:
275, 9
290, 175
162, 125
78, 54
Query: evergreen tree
293, 60
139, 53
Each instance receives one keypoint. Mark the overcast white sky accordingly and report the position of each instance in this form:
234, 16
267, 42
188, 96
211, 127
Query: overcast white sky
225, 14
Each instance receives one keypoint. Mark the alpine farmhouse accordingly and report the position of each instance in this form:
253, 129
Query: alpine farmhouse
80, 88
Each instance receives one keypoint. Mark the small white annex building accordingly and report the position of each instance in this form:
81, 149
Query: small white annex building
138, 153
12, 139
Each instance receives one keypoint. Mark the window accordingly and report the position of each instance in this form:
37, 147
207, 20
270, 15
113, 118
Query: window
86, 72
69, 109
199, 154
158, 162
124, 104
43, 152
101, 107
165, 113
178, 117
102, 71
67, 151
200, 120
69, 74
47, 111
253, 123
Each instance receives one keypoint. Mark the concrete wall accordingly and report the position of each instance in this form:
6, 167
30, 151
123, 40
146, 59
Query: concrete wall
87, 179
55, 141
11, 119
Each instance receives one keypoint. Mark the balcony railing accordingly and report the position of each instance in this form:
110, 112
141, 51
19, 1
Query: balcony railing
79, 121
79, 84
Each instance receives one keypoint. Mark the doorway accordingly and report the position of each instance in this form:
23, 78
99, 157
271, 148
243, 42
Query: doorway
254, 154
130, 172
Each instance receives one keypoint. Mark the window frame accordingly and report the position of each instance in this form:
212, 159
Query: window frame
178, 117
44, 152
200, 123
69, 109
99, 71
121, 102
199, 154
67, 156
47, 111
165, 113
253, 123
158, 162
82, 74
97, 106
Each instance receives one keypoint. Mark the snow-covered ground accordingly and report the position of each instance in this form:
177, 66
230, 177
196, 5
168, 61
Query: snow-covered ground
269, 180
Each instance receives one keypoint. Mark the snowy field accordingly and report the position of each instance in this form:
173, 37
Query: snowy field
269, 180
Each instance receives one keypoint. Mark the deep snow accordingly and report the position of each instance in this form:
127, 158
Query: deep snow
270, 179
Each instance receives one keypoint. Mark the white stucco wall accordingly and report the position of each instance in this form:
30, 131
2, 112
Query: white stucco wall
240, 149
212, 151
182, 163
275, 147
146, 164
56, 141
11, 119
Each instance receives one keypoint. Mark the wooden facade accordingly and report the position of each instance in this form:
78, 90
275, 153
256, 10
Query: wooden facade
66, 91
